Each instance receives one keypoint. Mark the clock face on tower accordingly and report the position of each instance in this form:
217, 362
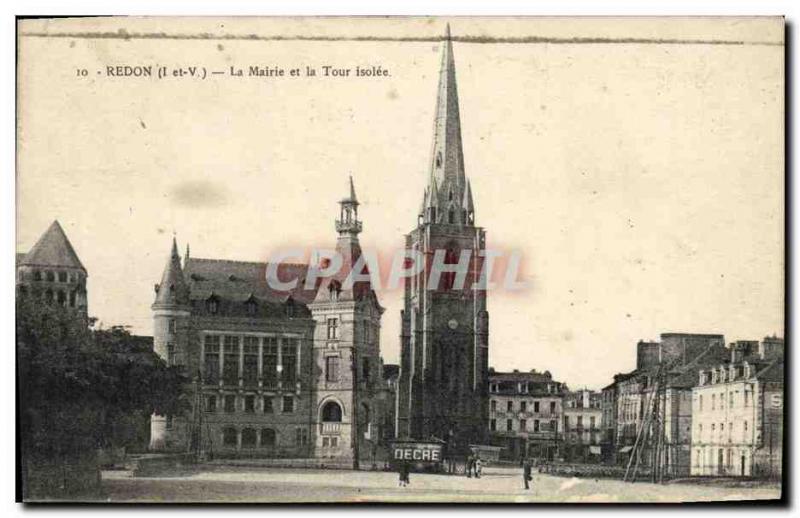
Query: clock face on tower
453, 323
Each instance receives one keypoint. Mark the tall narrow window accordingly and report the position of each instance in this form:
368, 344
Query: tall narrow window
267, 405
230, 375
211, 404
288, 404
211, 368
250, 374
333, 329
289, 360
365, 369
171, 326
269, 367
170, 353
331, 369
249, 404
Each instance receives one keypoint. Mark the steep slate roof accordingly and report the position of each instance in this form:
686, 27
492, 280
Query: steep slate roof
53, 249
172, 288
239, 280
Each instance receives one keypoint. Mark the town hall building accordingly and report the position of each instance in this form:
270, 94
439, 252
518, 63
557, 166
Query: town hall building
294, 373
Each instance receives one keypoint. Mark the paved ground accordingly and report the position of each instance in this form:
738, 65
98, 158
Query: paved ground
239, 484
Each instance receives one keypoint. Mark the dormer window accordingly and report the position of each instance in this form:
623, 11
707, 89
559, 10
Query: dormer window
290, 307
334, 289
251, 305
212, 304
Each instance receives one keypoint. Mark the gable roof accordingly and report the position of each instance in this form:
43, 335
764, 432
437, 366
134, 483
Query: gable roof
53, 249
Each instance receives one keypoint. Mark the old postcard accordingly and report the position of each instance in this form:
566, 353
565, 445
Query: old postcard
400, 259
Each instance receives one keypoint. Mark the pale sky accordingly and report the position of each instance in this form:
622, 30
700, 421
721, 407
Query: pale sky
642, 182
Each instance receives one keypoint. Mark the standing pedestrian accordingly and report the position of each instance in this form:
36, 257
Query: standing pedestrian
526, 473
403, 472
478, 467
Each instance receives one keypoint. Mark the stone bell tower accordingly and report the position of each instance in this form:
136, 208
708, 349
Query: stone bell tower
346, 348
443, 389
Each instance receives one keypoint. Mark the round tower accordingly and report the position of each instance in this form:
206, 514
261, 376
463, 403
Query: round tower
171, 312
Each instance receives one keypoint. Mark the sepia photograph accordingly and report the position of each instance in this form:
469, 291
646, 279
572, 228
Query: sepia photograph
390, 259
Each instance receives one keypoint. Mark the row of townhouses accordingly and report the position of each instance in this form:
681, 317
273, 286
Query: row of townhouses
694, 407
532, 414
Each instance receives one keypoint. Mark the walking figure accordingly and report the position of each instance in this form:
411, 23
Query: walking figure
404, 470
526, 472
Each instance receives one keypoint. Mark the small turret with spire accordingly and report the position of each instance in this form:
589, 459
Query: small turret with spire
348, 223
172, 290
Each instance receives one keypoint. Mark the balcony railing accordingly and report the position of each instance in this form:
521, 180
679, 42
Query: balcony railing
331, 428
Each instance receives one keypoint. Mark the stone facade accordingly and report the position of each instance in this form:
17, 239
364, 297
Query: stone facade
738, 414
445, 328
273, 373
663, 379
526, 414
52, 272
583, 426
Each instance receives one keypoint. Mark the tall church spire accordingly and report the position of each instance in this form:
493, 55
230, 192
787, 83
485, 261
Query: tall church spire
447, 176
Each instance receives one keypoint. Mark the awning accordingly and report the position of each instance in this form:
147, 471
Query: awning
625, 449
594, 450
